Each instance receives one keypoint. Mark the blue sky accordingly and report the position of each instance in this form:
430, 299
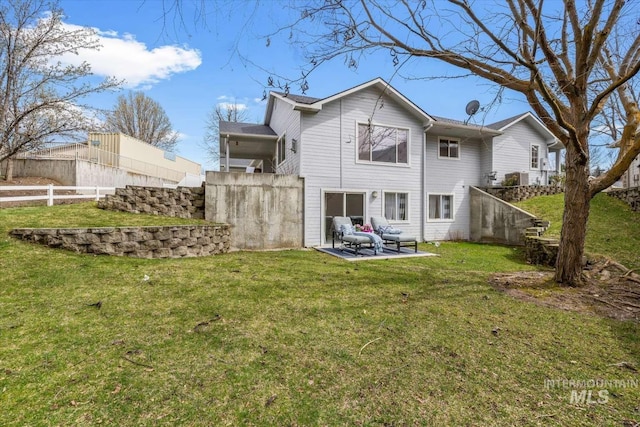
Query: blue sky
191, 68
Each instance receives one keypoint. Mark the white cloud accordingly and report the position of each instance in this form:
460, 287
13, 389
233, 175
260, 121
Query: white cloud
233, 105
123, 57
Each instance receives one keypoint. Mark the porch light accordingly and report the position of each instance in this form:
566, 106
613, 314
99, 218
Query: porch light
374, 194
294, 145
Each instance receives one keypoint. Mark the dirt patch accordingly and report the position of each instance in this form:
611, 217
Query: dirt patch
610, 290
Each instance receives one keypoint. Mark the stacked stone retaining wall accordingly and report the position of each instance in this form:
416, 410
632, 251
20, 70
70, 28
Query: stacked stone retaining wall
541, 250
629, 195
138, 242
522, 192
181, 202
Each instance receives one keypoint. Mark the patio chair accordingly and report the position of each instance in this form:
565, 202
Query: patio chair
342, 232
392, 236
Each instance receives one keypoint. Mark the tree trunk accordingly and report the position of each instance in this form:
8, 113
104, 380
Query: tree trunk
577, 198
9, 175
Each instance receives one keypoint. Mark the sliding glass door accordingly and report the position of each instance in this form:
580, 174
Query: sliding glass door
342, 204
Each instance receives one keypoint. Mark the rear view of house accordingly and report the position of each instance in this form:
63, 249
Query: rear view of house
370, 151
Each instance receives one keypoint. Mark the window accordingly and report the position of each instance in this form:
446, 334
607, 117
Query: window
535, 155
449, 148
382, 144
396, 206
441, 206
282, 148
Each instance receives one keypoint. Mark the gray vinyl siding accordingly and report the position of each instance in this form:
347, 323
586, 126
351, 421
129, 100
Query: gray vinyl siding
452, 176
329, 161
512, 152
285, 119
486, 164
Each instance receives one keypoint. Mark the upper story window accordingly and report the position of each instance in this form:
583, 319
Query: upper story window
449, 148
535, 157
396, 206
282, 148
382, 144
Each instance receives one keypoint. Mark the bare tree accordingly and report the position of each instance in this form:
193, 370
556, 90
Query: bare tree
39, 95
561, 56
228, 112
141, 117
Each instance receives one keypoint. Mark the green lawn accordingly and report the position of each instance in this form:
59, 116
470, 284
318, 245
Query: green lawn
290, 338
613, 229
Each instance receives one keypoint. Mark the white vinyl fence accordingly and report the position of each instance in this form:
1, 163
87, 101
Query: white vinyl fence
48, 193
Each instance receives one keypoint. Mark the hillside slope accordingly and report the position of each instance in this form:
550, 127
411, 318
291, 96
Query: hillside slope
613, 229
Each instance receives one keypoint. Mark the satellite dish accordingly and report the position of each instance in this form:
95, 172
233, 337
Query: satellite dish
472, 107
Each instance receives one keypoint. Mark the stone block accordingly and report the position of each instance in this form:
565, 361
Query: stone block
204, 240
113, 237
190, 241
180, 233
87, 239
152, 244
101, 249
162, 253
194, 251
172, 243
128, 246
74, 231
142, 253
180, 251
101, 230
164, 234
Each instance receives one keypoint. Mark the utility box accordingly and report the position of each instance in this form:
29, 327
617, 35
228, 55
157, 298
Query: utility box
520, 177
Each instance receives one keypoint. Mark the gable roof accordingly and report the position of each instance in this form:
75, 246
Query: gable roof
239, 128
502, 125
446, 126
313, 105
300, 99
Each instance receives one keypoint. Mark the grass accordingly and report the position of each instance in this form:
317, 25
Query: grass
289, 338
613, 229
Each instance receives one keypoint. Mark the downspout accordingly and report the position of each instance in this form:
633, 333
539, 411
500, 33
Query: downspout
423, 183
226, 154
340, 146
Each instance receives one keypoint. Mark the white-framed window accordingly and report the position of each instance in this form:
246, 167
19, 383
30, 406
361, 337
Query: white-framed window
535, 156
448, 148
382, 144
282, 148
396, 206
440, 207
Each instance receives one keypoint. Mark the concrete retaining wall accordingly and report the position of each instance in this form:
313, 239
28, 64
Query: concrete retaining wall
629, 195
81, 173
137, 242
181, 202
496, 221
265, 210
522, 192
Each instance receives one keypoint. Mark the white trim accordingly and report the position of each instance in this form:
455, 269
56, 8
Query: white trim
453, 210
407, 208
282, 138
531, 167
377, 163
450, 139
385, 87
